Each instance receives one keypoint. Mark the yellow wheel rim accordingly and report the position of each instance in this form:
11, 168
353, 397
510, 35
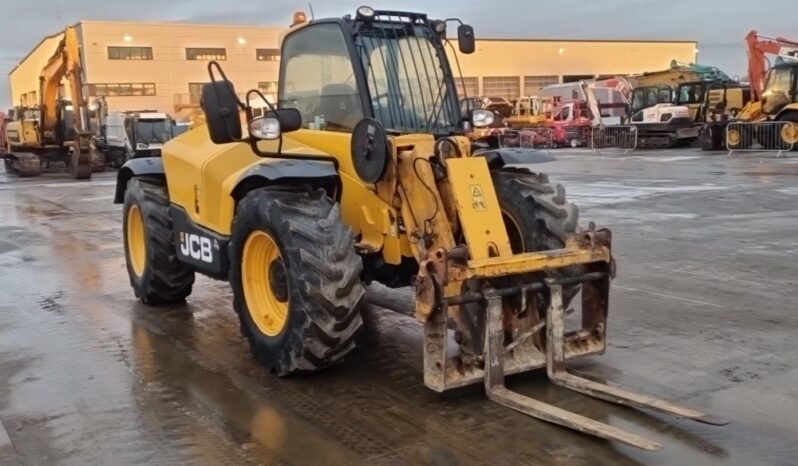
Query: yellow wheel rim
789, 133
733, 138
265, 283
136, 245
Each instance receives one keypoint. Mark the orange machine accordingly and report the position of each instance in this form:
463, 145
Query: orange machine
758, 63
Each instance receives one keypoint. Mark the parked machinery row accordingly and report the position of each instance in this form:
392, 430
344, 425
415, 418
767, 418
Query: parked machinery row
83, 137
682, 105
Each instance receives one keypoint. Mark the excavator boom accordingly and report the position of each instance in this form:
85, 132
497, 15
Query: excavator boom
758, 63
46, 138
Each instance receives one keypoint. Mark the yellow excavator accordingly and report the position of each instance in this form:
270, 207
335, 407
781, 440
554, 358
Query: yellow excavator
363, 173
56, 129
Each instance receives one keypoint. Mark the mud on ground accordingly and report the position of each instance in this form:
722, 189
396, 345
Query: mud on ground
703, 311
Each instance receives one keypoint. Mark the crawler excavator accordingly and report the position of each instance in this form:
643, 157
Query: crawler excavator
362, 173
658, 125
57, 129
774, 92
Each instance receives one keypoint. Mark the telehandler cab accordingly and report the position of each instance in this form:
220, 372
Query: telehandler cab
362, 173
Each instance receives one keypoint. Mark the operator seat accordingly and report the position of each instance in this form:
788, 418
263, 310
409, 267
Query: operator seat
340, 105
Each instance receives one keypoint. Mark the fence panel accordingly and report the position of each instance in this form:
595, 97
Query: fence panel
761, 136
616, 137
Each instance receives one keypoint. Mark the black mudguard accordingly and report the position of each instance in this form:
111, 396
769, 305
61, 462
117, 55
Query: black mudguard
291, 172
145, 166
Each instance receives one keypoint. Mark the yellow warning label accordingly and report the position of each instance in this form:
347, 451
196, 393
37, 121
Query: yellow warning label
478, 198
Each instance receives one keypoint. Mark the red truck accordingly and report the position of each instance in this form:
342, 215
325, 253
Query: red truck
571, 123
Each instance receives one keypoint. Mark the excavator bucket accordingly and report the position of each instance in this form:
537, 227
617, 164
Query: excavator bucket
503, 286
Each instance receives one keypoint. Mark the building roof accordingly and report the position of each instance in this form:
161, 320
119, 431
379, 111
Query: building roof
218, 25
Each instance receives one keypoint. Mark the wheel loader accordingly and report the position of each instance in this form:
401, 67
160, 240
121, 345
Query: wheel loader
361, 173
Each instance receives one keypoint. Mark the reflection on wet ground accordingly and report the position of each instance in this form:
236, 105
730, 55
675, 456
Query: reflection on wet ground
701, 313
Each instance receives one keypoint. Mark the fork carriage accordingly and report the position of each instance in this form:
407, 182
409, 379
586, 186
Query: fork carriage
543, 344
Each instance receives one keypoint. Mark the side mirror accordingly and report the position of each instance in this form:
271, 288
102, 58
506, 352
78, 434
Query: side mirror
465, 38
220, 104
290, 119
270, 126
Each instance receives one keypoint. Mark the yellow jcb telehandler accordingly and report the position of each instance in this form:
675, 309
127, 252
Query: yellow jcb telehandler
360, 174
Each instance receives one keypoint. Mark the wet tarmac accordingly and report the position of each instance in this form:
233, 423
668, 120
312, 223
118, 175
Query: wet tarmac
703, 311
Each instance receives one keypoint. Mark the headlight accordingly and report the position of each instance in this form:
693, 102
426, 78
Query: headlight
265, 128
481, 118
366, 12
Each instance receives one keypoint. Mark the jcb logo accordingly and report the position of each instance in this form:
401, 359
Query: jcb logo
197, 247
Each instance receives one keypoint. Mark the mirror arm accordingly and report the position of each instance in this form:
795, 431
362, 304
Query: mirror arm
215, 64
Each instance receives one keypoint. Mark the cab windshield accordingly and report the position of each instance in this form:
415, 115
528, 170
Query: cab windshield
407, 78
779, 80
690, 94
153, 131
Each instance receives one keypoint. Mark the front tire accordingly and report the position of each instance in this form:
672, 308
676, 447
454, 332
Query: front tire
789, 132
537, 217
295, 279
739, 138
156, 274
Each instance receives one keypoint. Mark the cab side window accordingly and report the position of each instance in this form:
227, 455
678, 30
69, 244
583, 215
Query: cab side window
319, 79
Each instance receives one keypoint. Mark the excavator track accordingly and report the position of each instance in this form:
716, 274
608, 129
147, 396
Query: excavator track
24, 164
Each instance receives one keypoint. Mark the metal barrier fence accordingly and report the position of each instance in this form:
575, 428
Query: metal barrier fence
761, 136
532, 138
614, 137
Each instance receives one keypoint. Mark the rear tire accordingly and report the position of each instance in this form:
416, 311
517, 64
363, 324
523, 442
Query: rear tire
156, 274
316, 299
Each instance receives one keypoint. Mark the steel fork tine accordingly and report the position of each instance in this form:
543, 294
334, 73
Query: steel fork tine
555, 368
497, 392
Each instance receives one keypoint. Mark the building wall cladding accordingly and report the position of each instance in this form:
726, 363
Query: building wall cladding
544, 59
24, 79
158, 63
170, 70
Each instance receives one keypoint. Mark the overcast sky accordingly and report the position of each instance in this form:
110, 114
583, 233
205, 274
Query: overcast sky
718, 25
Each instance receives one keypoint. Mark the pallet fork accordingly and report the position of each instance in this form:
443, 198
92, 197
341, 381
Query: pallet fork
509, 289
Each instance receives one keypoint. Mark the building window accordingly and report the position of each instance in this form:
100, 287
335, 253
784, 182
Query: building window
29, 99
194, 93
467, 86
533, 84
268, 87
122, 89
268, 54
206, 54
130, 53
504, 86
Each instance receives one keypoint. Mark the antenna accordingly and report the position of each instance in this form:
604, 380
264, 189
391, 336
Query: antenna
310, 7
